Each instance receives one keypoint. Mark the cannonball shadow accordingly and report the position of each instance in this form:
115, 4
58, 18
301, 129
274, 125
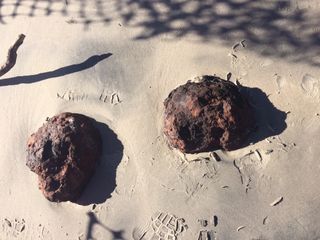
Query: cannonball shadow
103, 181
269, 120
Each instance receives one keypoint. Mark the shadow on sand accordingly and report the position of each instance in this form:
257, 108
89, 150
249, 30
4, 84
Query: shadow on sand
90, 62
283, 28
103, 182
116, 235
270, 121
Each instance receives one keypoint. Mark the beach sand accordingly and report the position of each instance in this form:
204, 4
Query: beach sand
117, 61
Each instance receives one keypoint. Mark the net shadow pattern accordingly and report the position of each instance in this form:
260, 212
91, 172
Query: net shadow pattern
282, 29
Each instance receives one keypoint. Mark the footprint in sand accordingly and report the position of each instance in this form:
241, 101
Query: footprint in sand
206, 235
163, 226
13, 228
281, 81
18, 229
310, 85
198, 174
316, 60
250, 168
267, 62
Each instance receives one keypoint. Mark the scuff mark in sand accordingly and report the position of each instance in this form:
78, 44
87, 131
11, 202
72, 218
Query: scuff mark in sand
250, 167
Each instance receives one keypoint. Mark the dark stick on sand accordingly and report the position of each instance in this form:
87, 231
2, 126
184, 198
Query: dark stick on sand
12, 56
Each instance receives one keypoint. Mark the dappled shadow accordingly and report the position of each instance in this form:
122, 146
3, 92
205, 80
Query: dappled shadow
90, 62
116, 235
103, 182
269, 120
271, 28
277, 27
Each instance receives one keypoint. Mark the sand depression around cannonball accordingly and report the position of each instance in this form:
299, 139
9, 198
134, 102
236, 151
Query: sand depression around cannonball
63, 153
207, 115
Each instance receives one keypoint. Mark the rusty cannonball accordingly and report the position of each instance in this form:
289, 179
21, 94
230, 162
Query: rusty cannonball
63, 153
207, 115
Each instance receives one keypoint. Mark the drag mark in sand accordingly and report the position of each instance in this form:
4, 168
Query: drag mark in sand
198, 174
72, 95
238, 168
76, 96
114, 97
249, 167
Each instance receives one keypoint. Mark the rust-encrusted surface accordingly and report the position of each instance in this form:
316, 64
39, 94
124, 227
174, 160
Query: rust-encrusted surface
64, 152
207, 115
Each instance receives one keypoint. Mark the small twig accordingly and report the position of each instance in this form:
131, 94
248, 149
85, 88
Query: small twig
264, 221
12, 56
229, 76
276, 202
258, 155
239, 228
215, 156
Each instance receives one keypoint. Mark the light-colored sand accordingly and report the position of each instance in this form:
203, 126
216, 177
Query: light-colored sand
144, 67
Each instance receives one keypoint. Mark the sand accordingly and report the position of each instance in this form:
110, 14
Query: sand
266, 190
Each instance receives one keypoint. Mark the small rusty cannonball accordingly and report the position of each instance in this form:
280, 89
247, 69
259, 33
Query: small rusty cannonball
207, 115
63, 153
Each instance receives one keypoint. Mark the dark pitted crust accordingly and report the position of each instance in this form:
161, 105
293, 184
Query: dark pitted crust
64, 153
208, 115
